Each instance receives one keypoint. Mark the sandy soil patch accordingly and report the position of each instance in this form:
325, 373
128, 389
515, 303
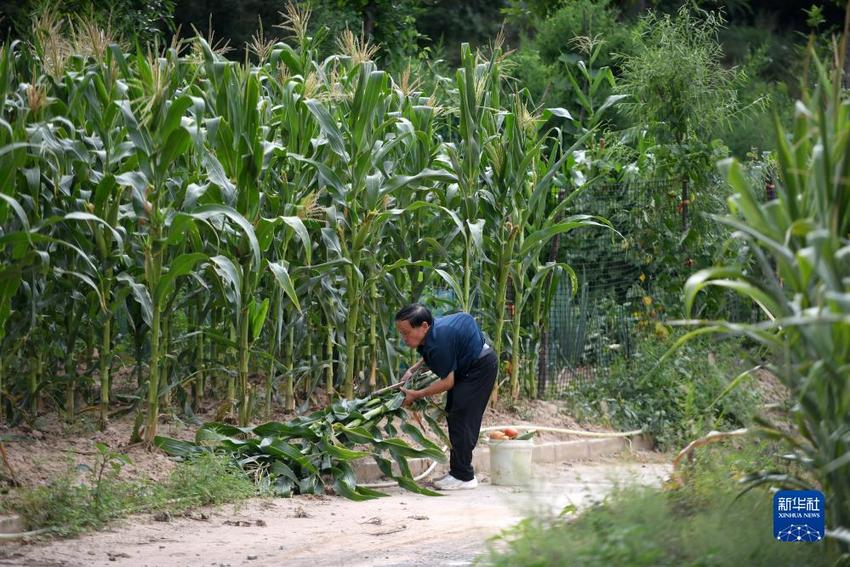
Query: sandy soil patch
402, 530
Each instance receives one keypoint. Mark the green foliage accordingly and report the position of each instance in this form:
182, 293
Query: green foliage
677, 96
678, 88
208, 479
130, 20
67, 503
585, 33
656, 238
205, 220
773, 63
524, 13
763, 51
596, 20
797, 272
754, 131
700, 524
107, 467
655, 255
336, 17
311, 454
73, 502
389, 24
671, 253
723, 467
85, 498
677, 401
532, 73
392, 25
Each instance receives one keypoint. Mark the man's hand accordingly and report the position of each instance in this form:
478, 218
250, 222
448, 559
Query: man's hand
410, 396
408, 374
411, 371
432, 389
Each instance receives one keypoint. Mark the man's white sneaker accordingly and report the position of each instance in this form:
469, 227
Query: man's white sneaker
449, 482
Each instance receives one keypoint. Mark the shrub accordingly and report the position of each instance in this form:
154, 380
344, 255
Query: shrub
650, 526
678, 87
589, 18
680, 400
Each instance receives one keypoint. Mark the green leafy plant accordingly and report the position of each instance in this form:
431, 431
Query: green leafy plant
799, 246
107, 467
205, 479
703, 522
310, 454
677, 401
73, 503
583, 18
676, 84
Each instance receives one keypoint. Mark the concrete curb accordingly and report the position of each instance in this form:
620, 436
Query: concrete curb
548, 452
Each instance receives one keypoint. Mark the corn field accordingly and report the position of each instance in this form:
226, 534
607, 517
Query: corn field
240, 234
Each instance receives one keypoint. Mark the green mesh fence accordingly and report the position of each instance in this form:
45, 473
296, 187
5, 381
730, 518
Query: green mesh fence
591, 326
619, 281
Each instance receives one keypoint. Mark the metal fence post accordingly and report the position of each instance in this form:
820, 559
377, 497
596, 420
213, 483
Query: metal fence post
543, 350
543, 361
769, 190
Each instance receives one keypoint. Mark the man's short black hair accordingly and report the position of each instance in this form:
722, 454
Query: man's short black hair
415, 314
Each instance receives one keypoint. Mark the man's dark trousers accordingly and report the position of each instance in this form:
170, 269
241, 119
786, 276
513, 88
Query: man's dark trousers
465, 405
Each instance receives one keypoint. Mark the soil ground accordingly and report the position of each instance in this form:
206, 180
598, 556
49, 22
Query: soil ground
404, 529
42, 452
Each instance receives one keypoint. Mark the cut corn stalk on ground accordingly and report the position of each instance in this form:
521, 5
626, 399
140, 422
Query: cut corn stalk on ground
313, 454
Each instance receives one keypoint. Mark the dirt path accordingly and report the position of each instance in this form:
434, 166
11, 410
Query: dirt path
402, 530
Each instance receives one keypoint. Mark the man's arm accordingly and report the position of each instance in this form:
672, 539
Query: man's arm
432, 389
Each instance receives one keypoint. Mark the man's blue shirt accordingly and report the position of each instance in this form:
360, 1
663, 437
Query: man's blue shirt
453, 343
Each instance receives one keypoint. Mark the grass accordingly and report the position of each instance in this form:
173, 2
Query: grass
74, 503
701, 523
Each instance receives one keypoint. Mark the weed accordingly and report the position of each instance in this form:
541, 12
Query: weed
75, 503
676, 402
701, 524
209, 478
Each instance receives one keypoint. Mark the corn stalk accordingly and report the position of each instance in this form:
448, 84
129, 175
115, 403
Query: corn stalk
798, 277
299, 456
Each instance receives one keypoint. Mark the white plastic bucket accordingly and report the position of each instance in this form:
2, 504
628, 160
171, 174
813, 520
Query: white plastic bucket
510, 461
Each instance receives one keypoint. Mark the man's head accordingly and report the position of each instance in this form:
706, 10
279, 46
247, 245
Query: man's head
413, 323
